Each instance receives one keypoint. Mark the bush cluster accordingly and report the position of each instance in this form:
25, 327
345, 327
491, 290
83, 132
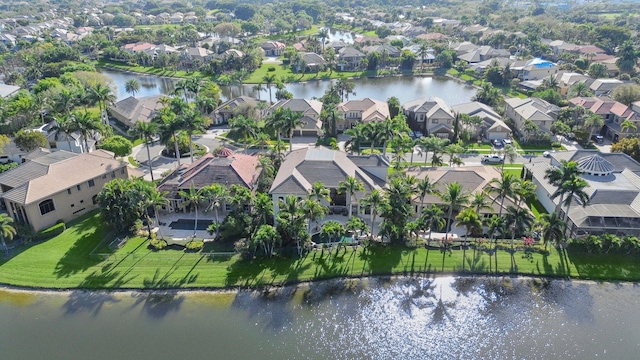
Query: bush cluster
609, 243
51, 232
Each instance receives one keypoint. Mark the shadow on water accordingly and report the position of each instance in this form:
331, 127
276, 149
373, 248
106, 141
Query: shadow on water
158, 304
87, 301
270, 306
572, 298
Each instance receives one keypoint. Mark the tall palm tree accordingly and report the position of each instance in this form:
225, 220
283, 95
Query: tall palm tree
479, 202
313, 210
574, 188
628, 125
510, 154
503, 187
319, 192
103, 95
520, 220
85, 124
552, 229
594, 122
387, 131
432, 219
373, 200
269, 80
7, 231
132, 87
350, 186
216, 195
470, 219
193, 197
455, 198
290, 210
291, 120
263, 207
357, 136
524, 191
182, 86
424, 187
191, 121
558, 175
495, 225
242, 127
168, 127
146, 131
63, 126
157, 199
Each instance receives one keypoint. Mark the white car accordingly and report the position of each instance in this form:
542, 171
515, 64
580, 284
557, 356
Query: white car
507, 142
492, 159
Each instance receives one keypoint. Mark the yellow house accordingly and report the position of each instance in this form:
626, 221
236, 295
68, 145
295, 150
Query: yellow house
58, 186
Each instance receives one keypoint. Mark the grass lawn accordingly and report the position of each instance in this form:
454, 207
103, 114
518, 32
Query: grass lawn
65, 262
148, 69
283, 72
537, 208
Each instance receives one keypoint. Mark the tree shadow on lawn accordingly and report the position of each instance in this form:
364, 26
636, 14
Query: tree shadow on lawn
87, 301
382, 258
78, 258
166, 282
262, 271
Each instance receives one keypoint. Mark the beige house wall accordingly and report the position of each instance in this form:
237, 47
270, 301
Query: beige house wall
67, 206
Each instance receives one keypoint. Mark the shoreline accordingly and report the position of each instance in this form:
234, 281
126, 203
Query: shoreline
278, 287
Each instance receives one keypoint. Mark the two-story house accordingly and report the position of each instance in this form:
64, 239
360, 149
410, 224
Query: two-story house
430, 115
362, 111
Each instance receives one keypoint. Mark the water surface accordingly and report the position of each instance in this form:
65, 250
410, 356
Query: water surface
380, 318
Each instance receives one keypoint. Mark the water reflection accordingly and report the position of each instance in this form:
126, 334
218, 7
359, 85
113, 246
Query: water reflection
377, 318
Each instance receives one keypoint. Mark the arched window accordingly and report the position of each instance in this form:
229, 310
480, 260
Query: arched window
46, 206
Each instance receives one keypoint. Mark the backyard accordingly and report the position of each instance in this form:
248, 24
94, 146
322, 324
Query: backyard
70, 260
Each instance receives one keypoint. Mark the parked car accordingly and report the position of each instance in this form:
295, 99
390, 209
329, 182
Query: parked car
570, 136
496, 143
492, 159
419, 134
597, 138
412, 134
507, 142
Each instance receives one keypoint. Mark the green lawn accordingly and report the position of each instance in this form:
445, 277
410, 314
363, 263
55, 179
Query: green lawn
283, 72
65, 262
147, 69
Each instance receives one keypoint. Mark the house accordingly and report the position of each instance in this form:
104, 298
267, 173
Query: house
349, 58
613, 188
492, 127
362, 111
138, 47
534, 110
239, 105
392, 51
190, 19
310, 111
193, 57
226, 168
613, 114
537, 69
59, 186
273, 48
430, 115
473, 179
8, 40
483, 53
604, 87
7, 91
131, 110
568, 79
176, 18
313, 61
302, 168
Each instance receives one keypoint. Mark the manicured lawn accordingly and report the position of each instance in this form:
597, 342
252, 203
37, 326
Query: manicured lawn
537, 208
148, 69
65, 262
283, 72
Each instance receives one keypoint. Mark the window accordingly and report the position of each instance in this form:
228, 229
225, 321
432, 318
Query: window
91, 183
543, 123
94, 199
122, 171
46, 207
227, 207
434, 121
78, 187
69, 191
113, 174
104, 176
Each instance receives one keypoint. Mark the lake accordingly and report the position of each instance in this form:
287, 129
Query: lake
405, 88
378, 318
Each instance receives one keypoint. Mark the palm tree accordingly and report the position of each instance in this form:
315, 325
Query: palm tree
313, 210
145, 131
290, 121
192, 197
524, 191
269, 80
216, 194
479, 201
579, 89
495, 225
456, 198
510, 154
432, 218
182, 86
85, 124
628, 125
103, 95
157, 199
63, 126
323, 35
373, 200
470, 219
319, 192
503, 187
520, 219
263, 207
350, 186
574, 188
552, 229
357, 137
290, 210
7, 231
132, 87
169, 126
595, 122
191, 121
424, 187
242, 127
386, 132
558, 175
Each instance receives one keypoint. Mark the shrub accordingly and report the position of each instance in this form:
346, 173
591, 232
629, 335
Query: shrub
271, 69
194, 245
158, 244
51, 232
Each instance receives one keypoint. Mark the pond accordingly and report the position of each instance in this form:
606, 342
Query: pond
405, 88
378, 318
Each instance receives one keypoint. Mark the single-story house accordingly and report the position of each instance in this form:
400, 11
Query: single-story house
246, 105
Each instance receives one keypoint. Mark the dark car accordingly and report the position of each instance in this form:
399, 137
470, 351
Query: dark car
597, 138
570, 136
